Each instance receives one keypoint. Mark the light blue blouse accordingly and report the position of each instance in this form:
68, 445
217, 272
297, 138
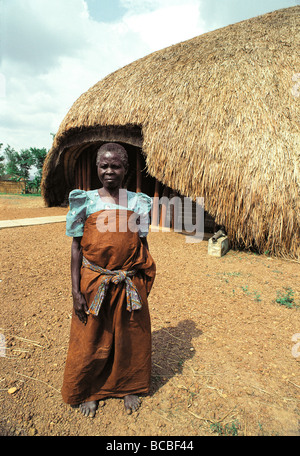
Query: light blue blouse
84, 203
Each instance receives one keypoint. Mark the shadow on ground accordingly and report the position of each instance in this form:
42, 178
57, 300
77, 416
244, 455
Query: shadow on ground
171, 347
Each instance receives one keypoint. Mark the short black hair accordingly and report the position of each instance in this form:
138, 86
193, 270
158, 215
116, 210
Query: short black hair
113, 147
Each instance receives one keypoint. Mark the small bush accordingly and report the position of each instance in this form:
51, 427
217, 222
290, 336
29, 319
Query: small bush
286, 298
228, 429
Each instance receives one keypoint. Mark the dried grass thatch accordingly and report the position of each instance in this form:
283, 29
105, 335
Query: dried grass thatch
219, 118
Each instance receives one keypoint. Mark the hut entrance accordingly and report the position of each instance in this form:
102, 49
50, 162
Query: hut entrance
136, 180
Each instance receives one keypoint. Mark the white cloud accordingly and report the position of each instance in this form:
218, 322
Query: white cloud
36, 33
146, 6
53, 50
168, 24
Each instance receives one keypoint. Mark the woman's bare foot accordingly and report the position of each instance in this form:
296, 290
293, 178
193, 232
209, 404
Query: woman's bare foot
131, 403
88, 408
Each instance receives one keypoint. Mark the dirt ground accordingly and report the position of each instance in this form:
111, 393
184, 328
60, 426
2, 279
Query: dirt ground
225, 353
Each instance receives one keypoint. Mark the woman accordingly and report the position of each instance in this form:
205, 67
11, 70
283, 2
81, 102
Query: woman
112, 274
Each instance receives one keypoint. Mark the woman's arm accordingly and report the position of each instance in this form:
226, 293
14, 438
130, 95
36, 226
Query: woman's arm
79, 303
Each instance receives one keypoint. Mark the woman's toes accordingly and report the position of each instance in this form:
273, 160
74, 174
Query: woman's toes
88, 408
131, 403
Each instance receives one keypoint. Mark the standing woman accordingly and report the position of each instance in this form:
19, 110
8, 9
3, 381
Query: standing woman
112, 274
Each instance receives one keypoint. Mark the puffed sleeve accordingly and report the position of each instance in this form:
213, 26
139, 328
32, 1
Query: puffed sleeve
76, 216
143, 208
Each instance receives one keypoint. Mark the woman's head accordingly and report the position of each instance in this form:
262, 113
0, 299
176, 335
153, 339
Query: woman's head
113, 147
112, 165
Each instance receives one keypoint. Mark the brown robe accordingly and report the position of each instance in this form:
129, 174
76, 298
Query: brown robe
110, 356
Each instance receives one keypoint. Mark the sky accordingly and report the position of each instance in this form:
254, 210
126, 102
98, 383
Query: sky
52, 51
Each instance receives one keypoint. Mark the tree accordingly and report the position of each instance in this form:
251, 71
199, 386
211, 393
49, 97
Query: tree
19, 164
39, 156
2, 164
25, 160
11, 167
34, 185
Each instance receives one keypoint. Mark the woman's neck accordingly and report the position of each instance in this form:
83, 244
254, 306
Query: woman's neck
112, 194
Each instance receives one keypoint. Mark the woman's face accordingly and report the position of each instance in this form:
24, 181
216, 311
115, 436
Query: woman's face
111, 170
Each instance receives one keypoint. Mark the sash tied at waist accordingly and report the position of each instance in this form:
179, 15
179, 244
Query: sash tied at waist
132, 295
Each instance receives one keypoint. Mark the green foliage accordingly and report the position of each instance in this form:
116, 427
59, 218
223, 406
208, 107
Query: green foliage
255, 292
2, 164
245, 290
257, 296
39, 156
286, 298
33, 186
227, 429
25, 161
11, 156
19, 165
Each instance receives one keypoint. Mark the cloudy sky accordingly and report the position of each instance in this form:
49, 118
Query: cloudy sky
54, 50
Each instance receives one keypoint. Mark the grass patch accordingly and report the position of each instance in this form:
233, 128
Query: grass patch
227, 429
286, 298
255, 293
25, 195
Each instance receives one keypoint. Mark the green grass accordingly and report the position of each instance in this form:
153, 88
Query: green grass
26, 195
227, 429
245, 290
257, 296
286, 298
255, 293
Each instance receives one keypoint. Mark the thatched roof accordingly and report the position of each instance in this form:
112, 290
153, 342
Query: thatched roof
219, 116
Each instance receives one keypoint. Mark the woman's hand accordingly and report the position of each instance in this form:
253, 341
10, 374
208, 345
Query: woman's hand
80, 306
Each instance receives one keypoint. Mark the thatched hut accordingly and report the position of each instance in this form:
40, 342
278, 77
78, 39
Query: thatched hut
215, 116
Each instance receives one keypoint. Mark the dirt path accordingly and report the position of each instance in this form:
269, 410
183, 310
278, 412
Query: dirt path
223, 356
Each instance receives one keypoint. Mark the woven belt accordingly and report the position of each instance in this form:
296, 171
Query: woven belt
132, 295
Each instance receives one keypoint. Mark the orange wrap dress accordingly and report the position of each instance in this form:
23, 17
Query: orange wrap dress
110, 356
